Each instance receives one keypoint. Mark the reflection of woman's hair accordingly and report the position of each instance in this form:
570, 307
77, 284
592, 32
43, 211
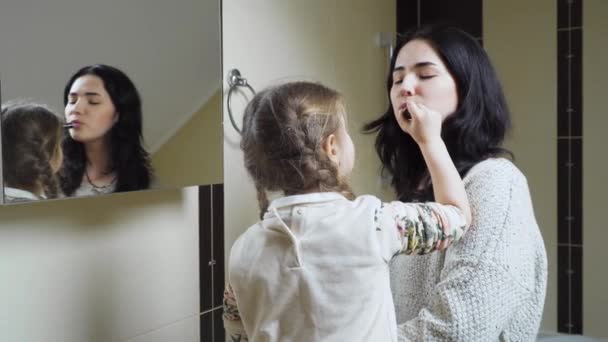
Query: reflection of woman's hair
473, 133
283, 130
128, 158
31, 137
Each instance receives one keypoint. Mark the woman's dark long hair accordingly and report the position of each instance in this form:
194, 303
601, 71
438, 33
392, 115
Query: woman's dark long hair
129, 160
474, 132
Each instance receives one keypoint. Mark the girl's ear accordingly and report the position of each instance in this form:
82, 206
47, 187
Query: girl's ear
331, 148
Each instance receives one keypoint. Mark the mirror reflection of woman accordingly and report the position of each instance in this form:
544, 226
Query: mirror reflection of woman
31, 154
104, 148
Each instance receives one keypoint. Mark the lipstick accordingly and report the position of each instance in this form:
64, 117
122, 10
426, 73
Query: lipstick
403, 111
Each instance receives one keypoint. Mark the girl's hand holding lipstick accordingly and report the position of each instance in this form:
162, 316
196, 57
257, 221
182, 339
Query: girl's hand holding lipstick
420, 122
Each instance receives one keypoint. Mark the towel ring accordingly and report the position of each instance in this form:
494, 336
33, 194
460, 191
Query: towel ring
234, 81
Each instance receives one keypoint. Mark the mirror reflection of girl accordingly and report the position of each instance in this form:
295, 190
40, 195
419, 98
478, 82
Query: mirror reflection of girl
315, 267
103, 150
31, 154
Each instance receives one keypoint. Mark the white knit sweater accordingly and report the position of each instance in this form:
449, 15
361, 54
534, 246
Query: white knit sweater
490, 286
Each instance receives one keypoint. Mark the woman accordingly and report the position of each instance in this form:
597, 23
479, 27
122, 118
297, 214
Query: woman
103, 150
31, 154
491, 285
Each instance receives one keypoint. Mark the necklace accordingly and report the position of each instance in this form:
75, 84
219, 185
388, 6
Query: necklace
99, 189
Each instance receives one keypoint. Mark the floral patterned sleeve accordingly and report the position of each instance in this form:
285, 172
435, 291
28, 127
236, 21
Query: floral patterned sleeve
235, 331
419, 228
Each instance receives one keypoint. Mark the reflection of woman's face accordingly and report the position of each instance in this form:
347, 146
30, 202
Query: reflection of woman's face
420, 74
90, 108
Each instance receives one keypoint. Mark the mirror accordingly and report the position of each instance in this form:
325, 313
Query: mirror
170, 51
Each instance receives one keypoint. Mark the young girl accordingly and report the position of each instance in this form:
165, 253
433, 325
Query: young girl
31, 153
315, 268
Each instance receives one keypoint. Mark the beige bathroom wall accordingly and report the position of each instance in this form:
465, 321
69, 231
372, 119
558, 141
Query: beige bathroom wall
108, 268
332, 41
595, 167
194, 154
520, 37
